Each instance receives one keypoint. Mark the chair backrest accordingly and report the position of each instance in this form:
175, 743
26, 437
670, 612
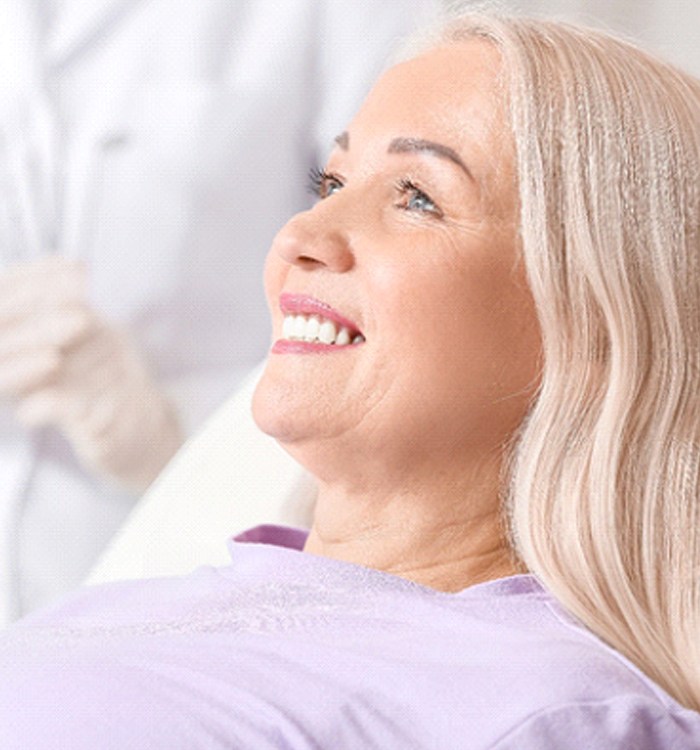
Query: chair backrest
227, 478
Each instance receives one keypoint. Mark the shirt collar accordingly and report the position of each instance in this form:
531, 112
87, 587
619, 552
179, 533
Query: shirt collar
279, 536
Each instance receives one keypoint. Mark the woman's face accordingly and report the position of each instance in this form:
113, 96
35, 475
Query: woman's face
412, 248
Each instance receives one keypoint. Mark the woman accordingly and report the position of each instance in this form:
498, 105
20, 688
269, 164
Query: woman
492, 308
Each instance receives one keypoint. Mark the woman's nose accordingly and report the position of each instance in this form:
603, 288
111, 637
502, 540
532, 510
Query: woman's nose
311, 243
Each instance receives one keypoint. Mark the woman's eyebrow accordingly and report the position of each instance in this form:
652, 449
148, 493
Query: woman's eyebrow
343, 140
405, 145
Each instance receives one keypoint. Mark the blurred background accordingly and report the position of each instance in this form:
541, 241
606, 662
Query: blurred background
669, 27
149, 151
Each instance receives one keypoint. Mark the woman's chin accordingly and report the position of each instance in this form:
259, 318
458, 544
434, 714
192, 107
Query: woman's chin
278, 409
280, 413
267, 409
301, 397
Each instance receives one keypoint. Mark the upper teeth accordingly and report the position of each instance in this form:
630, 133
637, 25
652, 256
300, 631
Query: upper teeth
313, 328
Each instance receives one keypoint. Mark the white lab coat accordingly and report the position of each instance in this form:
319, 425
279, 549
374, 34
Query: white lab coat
180, 137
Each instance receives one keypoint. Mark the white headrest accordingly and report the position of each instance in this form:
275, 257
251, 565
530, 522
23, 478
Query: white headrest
227, 478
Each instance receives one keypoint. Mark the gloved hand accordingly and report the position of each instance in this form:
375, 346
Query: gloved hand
67, 368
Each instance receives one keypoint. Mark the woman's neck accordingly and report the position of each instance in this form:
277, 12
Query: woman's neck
447, 538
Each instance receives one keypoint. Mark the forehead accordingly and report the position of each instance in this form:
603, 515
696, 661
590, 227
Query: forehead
450, 94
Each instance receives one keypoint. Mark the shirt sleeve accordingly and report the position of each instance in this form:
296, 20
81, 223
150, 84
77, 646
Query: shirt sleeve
622, 723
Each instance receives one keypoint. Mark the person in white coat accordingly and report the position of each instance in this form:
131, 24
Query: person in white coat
148, 149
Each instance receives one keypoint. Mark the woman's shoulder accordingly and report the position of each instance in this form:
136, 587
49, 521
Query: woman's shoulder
542, 680
621, 722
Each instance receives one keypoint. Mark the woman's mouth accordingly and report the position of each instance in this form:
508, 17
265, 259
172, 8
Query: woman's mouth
316, 329
310, 322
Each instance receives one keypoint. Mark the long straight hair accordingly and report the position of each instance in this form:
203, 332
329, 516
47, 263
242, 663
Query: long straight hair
604, 502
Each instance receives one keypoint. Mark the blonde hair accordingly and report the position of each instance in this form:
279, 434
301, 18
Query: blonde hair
604, 500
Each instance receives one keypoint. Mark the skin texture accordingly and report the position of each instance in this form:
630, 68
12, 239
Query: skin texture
407, 432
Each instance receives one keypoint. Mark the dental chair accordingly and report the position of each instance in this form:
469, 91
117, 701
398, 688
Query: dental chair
227, 478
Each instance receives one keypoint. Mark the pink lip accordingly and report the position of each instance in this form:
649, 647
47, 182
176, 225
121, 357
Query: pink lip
283, 346
300, 304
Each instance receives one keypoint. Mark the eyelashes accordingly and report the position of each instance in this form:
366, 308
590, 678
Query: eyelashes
415, 199
323, 184
316, 178
320, 181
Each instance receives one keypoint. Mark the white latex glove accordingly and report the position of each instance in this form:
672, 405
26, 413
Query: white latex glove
66, 367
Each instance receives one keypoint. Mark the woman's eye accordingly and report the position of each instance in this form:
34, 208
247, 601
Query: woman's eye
322, 183
414, 199
332, 186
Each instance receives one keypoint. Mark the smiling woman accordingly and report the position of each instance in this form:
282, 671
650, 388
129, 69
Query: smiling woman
486, 349
421, 252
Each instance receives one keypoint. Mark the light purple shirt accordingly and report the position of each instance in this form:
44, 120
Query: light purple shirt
283, 649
